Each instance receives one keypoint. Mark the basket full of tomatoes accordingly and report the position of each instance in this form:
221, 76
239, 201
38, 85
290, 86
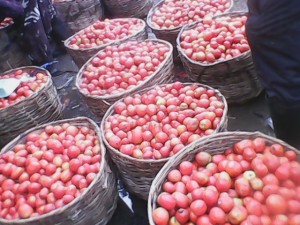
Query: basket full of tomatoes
123, 69
215, 51
33, 102
87, 42
144, 130
57, 173
228, 178
167, 17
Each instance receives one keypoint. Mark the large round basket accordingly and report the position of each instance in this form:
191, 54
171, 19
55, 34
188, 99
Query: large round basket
41, 107
100, 104
214, 144
81, 56
169, 35
94, 206
128, 8
11, 55
138, 174
236, 78
79, 14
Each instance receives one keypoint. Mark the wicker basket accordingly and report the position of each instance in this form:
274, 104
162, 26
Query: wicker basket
129, 8
11, 55
95, 206
235, 78
138, 174
169, 35
41, 107
81, 56
79, 14
100, 104
214, 144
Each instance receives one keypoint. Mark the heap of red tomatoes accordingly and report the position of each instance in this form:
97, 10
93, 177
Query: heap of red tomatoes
52, 168
160, 122
25, 89
106, 31
123, 67
252, 183
215, 39
172, 14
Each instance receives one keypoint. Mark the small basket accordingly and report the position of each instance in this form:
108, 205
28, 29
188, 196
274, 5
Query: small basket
100, 104
81, 56
169, 35
138, 174
94, 206
41, 107
79, 14
129, 8
236, 78
11, 55
214, 144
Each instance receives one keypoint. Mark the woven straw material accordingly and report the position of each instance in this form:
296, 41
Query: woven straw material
79, 14
236, 78
169, 35
41, 107
81, 56
11, 55
129, 8
100, 104
214, 144
138, 174
95, 206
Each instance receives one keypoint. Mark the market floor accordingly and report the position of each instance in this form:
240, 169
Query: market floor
251, 116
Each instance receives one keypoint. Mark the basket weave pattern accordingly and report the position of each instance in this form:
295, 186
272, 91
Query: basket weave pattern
81, 56
214, 144
100, 104
138, 174
95, 206
129, 8
79, 14
235, 78
41, 107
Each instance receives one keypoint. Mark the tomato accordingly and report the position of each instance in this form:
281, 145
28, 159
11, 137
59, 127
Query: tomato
210, 197
225, 203
182, 215
217, 215
203, 158
237, 215
198, 207
166, 200
276, 204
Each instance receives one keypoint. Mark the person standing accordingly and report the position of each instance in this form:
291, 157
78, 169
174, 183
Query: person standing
273, 31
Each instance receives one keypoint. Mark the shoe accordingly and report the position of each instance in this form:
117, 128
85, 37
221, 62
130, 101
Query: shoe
286, 122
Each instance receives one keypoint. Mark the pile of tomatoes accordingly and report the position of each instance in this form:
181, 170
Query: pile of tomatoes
174, 13
49, 170
252, 183
25, 89
160, 122
123, 67
214, 40
104, 32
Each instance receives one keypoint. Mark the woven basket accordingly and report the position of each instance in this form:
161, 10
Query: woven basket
81, 56
138, 174
214, 144
235, 78
100, 104
169, 35
11, 55
129, 8
95, 206
41, 107
79, 14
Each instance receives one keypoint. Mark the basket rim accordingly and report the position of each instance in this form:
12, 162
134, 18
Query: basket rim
82, 195
157, 5
206, 139
66, 42
34, 94
111, 110
121, 94
192, 25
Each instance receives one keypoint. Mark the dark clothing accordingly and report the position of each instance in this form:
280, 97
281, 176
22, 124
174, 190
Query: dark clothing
273, 30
